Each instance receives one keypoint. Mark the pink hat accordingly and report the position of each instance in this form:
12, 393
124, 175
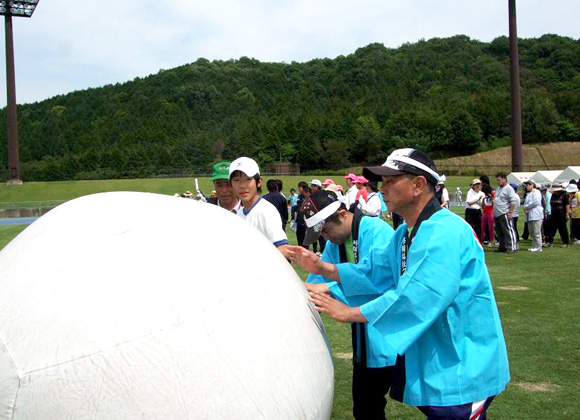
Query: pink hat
361, 180
328, 181
339, 188
351, 176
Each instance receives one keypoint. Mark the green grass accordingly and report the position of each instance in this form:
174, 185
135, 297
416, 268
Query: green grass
540, 322
67, 190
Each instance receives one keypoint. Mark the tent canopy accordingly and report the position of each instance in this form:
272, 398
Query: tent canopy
546, 176
571, 172
519, 177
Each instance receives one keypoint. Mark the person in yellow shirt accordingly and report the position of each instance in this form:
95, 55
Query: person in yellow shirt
574, 200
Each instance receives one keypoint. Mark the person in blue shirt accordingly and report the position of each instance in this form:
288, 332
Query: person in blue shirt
351, 239
441, 318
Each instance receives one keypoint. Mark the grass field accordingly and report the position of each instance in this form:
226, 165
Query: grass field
67, 190
537, 294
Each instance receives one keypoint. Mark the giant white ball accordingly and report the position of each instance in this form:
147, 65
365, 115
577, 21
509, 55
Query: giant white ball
143, 306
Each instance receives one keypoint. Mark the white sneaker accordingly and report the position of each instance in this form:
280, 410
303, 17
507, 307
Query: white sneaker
535, 249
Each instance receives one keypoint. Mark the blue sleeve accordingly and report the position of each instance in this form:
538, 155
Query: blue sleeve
373, 274
429, 285
332, 256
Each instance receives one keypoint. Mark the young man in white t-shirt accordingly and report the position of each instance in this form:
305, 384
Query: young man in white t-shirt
246, 182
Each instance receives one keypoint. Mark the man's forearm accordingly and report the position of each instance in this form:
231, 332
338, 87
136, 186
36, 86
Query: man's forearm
328, 270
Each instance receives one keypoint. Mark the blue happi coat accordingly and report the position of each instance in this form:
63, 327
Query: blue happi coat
363, 285
441, 317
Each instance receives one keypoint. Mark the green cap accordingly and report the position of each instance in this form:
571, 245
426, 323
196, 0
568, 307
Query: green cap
221, 170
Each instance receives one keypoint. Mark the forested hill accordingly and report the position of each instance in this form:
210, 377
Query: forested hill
448, 96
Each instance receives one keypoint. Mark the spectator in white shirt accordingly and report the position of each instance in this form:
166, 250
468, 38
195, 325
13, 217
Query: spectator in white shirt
473, 206
372, 205
534, 214
351, 192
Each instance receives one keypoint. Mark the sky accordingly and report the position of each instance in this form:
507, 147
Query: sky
71, 45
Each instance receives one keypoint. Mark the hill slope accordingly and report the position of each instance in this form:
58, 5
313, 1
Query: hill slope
550, 156
448, 96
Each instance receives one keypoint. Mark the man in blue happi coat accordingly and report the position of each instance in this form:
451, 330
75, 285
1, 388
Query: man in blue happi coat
441, 318
352, 238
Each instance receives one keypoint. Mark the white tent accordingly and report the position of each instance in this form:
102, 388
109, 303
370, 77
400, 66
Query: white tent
546, 176
571, 172
519, 177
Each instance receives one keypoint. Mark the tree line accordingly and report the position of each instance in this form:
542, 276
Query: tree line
447, 96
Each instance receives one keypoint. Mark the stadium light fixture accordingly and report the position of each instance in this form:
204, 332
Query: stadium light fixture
22, 8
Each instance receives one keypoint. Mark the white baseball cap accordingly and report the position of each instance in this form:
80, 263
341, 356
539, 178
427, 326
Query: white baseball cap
246, 165
316, 182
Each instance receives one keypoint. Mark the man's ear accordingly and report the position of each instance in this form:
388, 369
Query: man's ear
420, 185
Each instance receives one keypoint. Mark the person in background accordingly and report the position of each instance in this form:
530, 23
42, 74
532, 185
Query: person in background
351, 190
534, 214
503, 211
516, 213
372, 205
487, 219
557, 221
293, 203
304, 192
473, 204
441, 192
459, 196
315, 185
327, 182
246, 183
277, 199
574, 198
546, 197
225, 197
361, 183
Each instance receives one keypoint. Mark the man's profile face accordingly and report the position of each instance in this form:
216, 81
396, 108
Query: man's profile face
223, 189
397, 191
349, 182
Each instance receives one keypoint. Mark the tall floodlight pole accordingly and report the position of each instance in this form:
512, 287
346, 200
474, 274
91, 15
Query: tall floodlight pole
9, 8
516, 102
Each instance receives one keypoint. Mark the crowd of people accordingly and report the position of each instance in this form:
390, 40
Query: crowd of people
494, 214
425, 324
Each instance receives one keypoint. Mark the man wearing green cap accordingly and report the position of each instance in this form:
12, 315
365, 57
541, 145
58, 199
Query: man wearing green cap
221, 182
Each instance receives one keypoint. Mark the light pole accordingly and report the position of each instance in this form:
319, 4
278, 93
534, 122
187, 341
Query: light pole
516, 102
9, 8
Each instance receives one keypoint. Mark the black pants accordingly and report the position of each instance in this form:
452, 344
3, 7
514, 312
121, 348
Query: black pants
301, 233
557, 223
575, 229
473, 217
369, 389
506, 235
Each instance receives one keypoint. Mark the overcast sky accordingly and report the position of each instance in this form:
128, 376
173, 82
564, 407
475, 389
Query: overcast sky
76, 44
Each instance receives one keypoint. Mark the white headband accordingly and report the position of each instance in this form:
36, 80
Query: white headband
392, 163
322, 214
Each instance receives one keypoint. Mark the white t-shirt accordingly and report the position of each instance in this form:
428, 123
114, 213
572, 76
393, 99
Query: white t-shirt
265, 217
372, 207
350, 196
445, 196
474, 196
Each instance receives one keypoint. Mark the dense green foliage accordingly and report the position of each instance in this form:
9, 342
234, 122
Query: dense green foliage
448, 96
